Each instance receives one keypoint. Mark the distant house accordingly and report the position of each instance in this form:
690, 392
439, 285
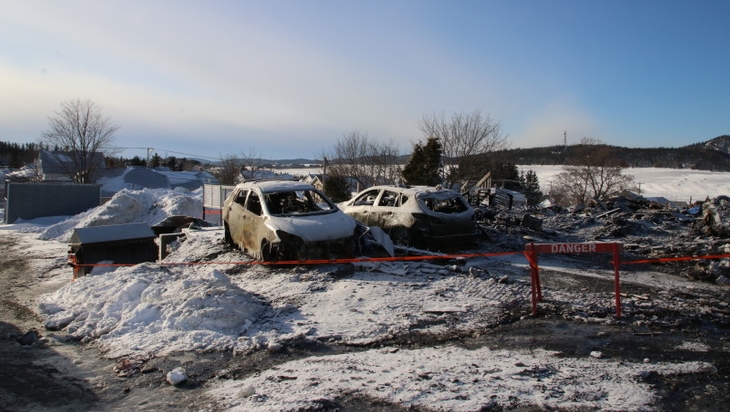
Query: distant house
314, 180
58, 166
27, 173
353, 185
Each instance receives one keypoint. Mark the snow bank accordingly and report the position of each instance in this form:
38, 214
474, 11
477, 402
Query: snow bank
130, 309
131, 206
146, 308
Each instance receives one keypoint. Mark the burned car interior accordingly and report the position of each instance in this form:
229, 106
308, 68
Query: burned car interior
445, 205
295, 202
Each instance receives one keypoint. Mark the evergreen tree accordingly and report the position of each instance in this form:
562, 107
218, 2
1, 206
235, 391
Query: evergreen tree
507, 176
156, 161
337, 189
171, 163
424, 167
531, 187
136, 161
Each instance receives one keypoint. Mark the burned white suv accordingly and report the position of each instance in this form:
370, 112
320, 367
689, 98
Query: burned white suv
418, 216
287, 220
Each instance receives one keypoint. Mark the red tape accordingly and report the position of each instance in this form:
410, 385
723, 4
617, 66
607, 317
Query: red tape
395, 259
315, 261
676, 259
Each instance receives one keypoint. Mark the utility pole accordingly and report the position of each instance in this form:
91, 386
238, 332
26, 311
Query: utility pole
565, 140
324, 174
149, 151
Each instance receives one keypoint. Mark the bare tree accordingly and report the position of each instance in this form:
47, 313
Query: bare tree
463, 135
233, 169
596, 176
229, 170
82, 134
250, 162
368, 161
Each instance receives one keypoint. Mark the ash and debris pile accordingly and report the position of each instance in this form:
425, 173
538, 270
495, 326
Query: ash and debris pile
648, 229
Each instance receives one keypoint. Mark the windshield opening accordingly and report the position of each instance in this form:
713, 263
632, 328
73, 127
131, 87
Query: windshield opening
297, 202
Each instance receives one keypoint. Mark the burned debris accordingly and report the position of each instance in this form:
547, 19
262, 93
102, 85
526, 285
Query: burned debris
648, 228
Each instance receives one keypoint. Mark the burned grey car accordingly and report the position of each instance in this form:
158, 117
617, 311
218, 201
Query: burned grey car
416, 216
287, 220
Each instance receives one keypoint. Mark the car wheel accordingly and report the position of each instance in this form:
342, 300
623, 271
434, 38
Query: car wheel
399, 236
269, 252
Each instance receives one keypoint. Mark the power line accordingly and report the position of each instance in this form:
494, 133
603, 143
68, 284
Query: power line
170, 151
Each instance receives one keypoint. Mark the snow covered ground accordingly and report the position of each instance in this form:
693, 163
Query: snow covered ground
680, 185
188, 302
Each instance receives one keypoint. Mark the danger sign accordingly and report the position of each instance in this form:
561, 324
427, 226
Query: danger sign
572, 247
532, 250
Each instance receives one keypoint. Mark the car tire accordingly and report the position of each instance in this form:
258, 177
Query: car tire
227, 235
399, 235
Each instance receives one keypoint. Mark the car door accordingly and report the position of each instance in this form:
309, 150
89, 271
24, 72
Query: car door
252, 220
384, 212
361, 207
234, 215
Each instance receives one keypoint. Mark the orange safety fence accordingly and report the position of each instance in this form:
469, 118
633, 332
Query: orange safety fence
676, 259
314, 261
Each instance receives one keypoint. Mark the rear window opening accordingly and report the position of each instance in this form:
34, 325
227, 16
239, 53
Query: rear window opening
445, 205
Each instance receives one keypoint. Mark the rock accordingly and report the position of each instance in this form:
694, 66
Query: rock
275, 347
29, 338
177, 376
247, 391
596, 354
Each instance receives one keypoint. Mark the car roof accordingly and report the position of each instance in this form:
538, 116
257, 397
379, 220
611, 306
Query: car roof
268, 186
414, 190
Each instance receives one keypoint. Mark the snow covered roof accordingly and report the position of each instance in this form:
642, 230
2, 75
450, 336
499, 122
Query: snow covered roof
53, 162
111, 233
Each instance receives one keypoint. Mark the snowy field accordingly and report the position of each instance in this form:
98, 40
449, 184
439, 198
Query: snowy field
181, 304
677, 185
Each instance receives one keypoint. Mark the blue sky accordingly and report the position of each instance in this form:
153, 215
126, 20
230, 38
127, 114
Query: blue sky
289, 78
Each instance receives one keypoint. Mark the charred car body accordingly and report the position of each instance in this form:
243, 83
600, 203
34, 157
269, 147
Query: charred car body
287, 220
418, 216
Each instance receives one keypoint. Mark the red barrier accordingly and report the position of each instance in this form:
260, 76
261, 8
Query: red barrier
316, 261
677, 259
532, 249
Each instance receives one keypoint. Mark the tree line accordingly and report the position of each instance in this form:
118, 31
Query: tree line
701, 156
15, 155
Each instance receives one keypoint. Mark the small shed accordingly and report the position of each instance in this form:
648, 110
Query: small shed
130, 243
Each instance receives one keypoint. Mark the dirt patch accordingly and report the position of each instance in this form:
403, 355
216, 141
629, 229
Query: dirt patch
46, 371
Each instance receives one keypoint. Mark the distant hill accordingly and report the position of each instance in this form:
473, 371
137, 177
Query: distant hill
720, 144
711, 155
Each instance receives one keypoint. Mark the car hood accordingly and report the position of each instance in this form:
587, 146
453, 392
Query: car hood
314, 228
